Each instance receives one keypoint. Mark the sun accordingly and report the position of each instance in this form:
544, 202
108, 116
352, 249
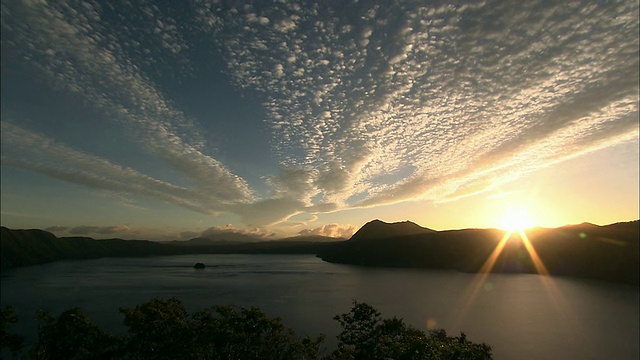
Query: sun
516, 219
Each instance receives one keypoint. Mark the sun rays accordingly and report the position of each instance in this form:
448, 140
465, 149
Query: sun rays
480, 283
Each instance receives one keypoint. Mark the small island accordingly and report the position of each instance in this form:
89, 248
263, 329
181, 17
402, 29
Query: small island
199, 266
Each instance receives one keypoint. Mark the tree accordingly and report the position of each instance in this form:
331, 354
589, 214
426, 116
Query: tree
72, 335
164, 329
8, 340
158, 329
365, 335
222, 332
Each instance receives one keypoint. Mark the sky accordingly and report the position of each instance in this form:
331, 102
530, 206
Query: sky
165, 120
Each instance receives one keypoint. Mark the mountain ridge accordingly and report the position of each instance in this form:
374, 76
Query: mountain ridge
378, 229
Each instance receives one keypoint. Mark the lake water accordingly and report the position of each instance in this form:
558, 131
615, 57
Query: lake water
520, 316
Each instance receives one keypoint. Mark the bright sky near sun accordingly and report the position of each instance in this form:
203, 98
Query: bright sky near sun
165, 119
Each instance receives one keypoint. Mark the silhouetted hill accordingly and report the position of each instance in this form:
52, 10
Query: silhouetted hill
30, 247
378, 229
599, 252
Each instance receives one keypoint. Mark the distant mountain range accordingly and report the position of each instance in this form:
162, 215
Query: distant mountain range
228, 238
609, 253
31, 247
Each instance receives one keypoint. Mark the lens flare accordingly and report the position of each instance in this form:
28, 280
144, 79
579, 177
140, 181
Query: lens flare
480, 283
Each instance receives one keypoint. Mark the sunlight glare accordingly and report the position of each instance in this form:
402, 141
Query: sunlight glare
516, 220
519, 222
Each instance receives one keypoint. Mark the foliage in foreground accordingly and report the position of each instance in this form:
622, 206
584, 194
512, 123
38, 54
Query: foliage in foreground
164, 329
11, 342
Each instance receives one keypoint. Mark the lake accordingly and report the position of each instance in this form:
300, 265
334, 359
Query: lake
520, 316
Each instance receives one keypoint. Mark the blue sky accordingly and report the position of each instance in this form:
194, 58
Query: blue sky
167, 119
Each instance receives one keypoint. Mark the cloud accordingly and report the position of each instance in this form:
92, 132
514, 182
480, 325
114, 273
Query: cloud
331, 230
56, 228
374, 104
186, 235
230, 229
293, 181
31, 151
268, 212
285, 25
102, 230
439, 98
106, 77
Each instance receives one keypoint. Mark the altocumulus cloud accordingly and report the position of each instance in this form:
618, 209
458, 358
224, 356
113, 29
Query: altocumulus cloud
372, 104
368, 103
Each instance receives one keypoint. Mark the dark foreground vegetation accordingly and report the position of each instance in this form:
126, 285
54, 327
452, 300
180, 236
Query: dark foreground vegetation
163, 329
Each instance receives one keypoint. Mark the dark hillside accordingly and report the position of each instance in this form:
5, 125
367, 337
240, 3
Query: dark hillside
608, 253
378, 229
30, 247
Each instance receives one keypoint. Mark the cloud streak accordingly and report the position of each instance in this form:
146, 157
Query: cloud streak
82, 57
31, 151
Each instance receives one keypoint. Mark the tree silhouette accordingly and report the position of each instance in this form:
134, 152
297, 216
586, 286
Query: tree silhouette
365, 335
164, 329
72, 335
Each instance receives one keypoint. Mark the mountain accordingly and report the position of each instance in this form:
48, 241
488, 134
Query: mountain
608, 252
378, 229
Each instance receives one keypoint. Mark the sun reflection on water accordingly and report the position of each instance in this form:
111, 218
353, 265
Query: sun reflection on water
480, 282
